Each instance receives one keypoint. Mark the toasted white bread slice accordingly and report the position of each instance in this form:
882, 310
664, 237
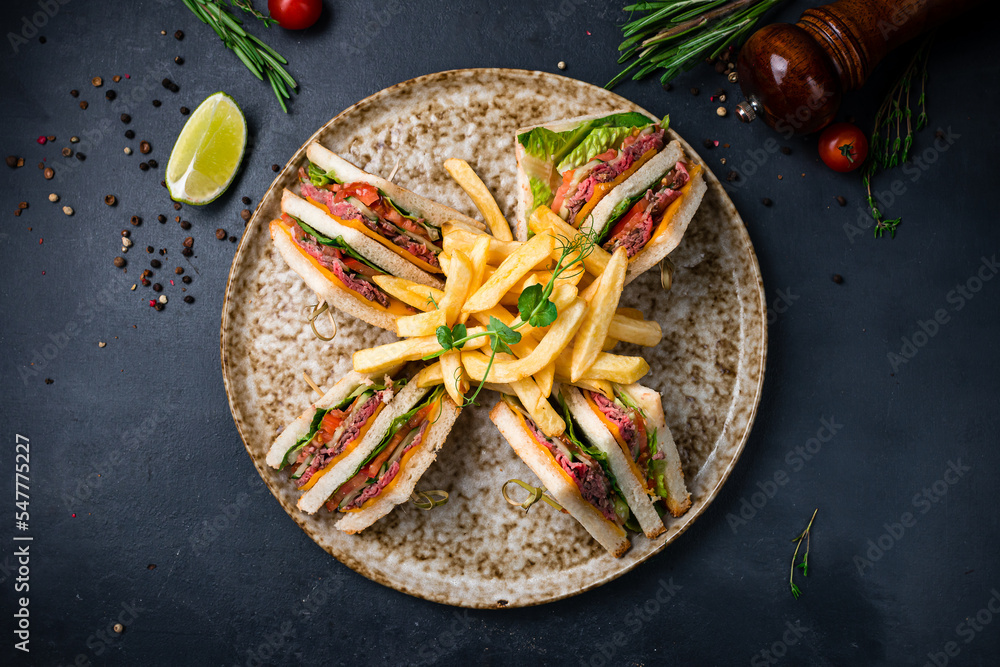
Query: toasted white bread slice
423, 455
402, 402
376, 253
335, 294
431, 211
678, 499
680, 217
524, 196
611, 536
633, 488
300, 427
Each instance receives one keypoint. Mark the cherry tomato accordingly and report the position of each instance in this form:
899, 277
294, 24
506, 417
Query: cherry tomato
843, 147
295, 14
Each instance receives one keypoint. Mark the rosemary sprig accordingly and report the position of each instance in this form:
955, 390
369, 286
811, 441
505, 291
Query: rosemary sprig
804, 565
892, 137
676, 34
259, 58
534, 307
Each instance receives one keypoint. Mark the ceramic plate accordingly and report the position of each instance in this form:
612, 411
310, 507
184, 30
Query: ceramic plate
478, 551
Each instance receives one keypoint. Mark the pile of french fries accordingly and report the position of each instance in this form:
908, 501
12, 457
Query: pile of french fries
485, 274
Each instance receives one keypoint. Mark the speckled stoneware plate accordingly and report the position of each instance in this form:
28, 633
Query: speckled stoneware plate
478, 551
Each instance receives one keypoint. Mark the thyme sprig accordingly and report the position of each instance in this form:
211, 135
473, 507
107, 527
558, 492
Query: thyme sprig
675, 35
892, 137
259, 58
804, 565
534, 307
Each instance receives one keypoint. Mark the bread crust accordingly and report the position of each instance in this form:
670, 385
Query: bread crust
427, 451
543, 464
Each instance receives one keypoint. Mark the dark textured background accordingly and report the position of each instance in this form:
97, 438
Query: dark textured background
137, 442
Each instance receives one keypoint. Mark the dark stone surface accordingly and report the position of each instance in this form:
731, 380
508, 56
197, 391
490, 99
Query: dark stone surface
135, 439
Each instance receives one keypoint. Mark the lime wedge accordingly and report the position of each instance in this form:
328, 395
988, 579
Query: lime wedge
208, 151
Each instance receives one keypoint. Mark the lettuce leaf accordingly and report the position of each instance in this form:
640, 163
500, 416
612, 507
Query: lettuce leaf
397, 424
318, 177
628, 119
541, 195
543, 143
596, 142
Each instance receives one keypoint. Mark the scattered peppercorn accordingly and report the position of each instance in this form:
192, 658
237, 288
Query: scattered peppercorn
17, 213
145, 147
187, 252
126, 233
177, 206
143, 166
83, 105
786, 150
157, 287
110, 200
126, 242
12, 162
119, 262
275, 167
766, 202
732, 176
158, 306
110, 95
81, 157
695, 91
186, 280
185, 225
161, 218
75, 93
188, 242
52, 198
232, 239
128, 151
721, 112
178, 60
74, 140
733, 77
154, 164
144, 281
126, 118
245, 200
129, 134
841, 200
245, 214
67, 210
708, 143
667, 86
185, 111
67, 152
837, 278
49, 380
179, 270
150, 249
170, 85
220, 234
179, 35
561, 64
48, 173
155, 263
135, 220
116, 78
163, 299
51, 137
97, 81
189, 299
156, 103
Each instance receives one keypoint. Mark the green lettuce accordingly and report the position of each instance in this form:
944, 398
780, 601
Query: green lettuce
597, 141
543, 143
319, 178
541, 194
397, 424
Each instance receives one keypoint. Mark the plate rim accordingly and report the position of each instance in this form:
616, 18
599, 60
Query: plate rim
713, 181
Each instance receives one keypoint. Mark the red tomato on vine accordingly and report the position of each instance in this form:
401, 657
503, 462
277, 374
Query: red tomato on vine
295, 14
843, 147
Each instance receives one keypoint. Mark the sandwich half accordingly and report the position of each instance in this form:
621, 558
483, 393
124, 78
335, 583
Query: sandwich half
630, 429
571, 165
574, 474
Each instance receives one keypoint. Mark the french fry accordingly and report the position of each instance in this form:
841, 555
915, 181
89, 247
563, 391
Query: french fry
545, 378
608, 344
600, 386
462, 238
480, 196
634, 313
455, 382
430, 375
635, 330
412, 294
381, 358
557, 338
597, 321
456, 288
612, 367
545, 220
509, 272
538, 406
562, 297
477, 257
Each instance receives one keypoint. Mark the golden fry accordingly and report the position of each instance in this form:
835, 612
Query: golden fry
594, 328
477, 257
612, 367
545, 378
509, 272
430, 375
538, 406
637, 331
480, 196
544, 220
455, 382
412, 294
462, 238
380, 359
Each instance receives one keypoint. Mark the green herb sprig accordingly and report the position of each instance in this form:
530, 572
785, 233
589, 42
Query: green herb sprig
534, 307
675, 35
892, 137
804, 565
260, 59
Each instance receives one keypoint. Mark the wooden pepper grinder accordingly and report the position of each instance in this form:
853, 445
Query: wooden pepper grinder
793, 76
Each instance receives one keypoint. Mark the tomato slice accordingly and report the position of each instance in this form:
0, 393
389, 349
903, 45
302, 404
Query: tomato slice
607, 155
359, 267
416, 420
562, 190
631, 219
366, 193
328, 426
